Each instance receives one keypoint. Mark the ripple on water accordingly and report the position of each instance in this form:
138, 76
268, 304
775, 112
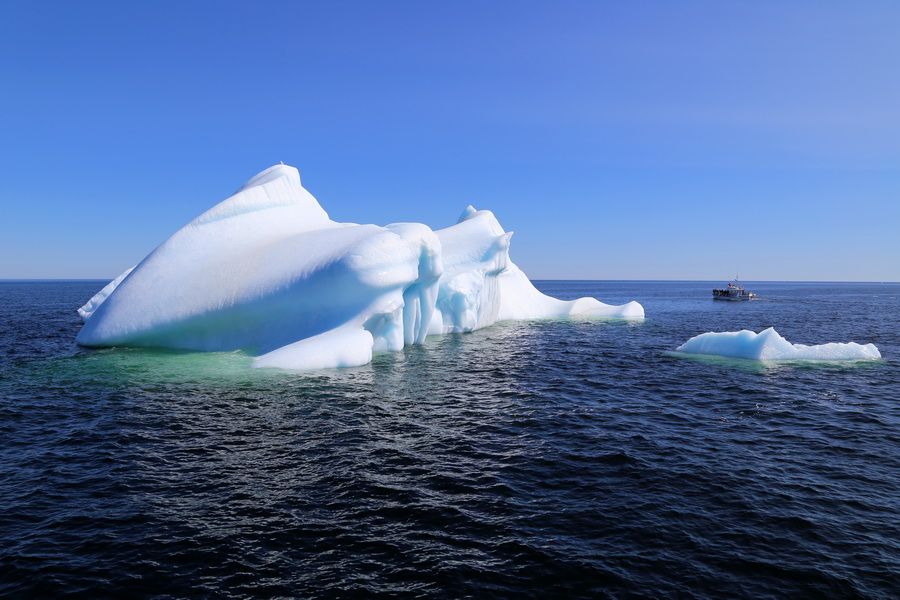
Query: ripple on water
530, 459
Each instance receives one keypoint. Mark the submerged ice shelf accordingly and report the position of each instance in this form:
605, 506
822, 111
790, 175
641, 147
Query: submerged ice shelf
268, 272
768, 345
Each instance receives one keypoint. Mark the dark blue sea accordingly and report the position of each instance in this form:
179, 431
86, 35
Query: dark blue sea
536, 459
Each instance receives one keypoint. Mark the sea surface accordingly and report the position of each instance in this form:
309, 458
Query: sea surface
535, 459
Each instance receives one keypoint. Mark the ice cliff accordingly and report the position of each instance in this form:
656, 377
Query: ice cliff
769, 345
268, 272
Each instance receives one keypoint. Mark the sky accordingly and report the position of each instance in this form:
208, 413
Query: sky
619, 140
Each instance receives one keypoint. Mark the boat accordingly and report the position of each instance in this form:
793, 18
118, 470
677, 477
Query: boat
733, 291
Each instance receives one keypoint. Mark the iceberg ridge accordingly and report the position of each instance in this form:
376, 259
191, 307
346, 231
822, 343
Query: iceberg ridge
268, 272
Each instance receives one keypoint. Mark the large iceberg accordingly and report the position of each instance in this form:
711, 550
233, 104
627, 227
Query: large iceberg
268, 272
768, 345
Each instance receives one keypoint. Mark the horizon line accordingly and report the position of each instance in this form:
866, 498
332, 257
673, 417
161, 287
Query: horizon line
883, 282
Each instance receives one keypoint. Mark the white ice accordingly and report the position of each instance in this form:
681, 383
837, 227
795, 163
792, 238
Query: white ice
268, 272
91, 305
768, 345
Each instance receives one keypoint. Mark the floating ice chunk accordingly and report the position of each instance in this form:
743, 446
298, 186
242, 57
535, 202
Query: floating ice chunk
268, 272
768, 345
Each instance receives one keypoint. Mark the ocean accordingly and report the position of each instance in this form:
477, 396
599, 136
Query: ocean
532, 459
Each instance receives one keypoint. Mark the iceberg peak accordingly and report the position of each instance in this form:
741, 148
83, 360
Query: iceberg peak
467, 213
272, 173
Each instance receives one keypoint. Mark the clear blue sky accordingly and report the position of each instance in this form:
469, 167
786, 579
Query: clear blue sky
619, 140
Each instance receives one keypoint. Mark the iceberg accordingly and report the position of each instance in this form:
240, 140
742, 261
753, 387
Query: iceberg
768, 345
268, 272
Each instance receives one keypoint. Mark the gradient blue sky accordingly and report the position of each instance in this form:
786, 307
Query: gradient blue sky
619, 140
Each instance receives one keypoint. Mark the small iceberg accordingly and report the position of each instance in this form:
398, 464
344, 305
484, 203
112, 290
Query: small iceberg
768, 345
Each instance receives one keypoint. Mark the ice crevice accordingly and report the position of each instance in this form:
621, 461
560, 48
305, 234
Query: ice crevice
268, 272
